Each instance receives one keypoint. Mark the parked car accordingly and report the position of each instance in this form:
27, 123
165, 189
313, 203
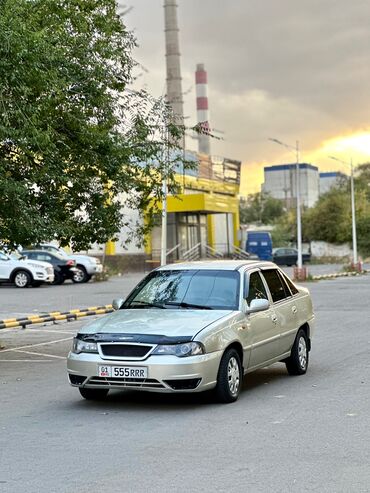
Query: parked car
22, 272
288, 256
86, 266
193, 327
63, 268
259, 243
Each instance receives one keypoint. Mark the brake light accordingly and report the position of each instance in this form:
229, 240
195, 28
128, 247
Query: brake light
70, 262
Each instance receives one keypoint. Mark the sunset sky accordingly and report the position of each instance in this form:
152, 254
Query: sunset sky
287, 69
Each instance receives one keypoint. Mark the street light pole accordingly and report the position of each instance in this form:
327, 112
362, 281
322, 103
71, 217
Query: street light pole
353, 209
299, 220
354, 233
298, 194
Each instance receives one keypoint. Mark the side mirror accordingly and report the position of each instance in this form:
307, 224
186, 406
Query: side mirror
116, 304
258, 305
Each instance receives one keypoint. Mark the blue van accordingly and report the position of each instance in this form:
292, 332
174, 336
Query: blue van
259, 243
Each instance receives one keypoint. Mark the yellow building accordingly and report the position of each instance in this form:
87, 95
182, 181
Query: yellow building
202, 220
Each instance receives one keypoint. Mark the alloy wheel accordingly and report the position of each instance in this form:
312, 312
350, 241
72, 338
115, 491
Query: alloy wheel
302, 352
233, 374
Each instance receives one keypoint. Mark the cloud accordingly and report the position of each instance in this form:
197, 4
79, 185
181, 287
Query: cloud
288, 69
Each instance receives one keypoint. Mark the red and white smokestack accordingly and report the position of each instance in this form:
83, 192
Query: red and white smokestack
202, 109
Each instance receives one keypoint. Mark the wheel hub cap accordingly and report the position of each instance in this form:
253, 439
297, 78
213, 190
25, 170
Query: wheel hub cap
233, 374
21, 280
302, 352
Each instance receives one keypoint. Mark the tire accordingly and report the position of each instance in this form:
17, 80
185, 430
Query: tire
58, 278
230, 377
22, 279
36, 284
81, 276
93, 394
297, 363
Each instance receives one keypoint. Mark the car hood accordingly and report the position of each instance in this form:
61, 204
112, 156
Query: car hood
152, 321
83, 258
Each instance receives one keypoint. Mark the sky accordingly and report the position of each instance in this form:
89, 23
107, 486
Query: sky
284, 69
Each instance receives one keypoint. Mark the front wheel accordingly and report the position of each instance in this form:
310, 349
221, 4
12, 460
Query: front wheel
230, 377
93, 394
22, 279
80, 275
297, 363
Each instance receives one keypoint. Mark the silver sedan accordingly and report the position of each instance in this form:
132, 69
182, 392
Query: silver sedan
193, 327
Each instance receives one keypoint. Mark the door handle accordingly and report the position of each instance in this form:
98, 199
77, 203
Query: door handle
294, 310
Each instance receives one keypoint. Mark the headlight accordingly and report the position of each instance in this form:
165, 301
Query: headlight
181, 350
83, 346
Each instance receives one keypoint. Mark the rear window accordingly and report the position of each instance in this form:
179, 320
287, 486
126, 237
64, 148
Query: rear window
278, 289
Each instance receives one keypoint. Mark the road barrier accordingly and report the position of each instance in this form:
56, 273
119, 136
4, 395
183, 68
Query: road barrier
14, 323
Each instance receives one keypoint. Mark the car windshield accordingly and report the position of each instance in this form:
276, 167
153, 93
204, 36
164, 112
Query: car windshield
16, 256
187, 289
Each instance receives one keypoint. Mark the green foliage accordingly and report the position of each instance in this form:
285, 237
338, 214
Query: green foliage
260, 208
73, 137
330, 219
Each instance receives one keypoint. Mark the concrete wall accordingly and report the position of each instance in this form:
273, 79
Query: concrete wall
323, 249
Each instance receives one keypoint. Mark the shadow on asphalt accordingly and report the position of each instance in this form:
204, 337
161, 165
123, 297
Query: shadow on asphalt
136, 400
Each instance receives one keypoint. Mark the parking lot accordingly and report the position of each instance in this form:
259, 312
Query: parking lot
285, 433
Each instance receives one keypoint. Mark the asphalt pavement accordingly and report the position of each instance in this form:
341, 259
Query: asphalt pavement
284, 434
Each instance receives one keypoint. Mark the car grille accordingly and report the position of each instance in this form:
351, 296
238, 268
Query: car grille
125, 351
142, 383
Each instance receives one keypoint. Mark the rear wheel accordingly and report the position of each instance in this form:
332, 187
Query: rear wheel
297, 363
230, 377
58, 278
80, 275
22, 279
93, 394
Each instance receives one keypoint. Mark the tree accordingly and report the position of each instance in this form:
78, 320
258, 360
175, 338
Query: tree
260, 208
73, 137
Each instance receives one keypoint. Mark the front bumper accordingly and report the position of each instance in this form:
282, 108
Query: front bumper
165, 373
92, 269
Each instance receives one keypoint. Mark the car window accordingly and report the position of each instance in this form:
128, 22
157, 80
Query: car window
293, 289
256, 288
42, 256
30, 255
278, 289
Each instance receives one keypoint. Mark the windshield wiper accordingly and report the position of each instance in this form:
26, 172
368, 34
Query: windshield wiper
183, 304
145, 304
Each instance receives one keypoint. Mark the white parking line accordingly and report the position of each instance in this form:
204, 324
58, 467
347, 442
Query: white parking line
40, 354
36, 345
25, 360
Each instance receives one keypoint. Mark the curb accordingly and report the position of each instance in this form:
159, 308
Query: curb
339, 274
13, 323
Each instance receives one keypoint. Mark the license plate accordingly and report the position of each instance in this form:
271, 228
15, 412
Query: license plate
123, 371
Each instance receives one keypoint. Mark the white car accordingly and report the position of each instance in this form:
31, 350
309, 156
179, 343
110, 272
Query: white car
22, 272
193, 327
86, 266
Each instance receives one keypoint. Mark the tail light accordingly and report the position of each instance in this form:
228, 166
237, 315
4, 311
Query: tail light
70, 262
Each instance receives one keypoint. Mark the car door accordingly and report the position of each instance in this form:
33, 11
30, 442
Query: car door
263, 329
6, 266
285, 308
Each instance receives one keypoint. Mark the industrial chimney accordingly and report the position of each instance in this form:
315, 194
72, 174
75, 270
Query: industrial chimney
202, 109
174, 86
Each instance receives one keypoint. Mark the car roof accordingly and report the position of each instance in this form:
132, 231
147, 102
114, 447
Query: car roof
217, 265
